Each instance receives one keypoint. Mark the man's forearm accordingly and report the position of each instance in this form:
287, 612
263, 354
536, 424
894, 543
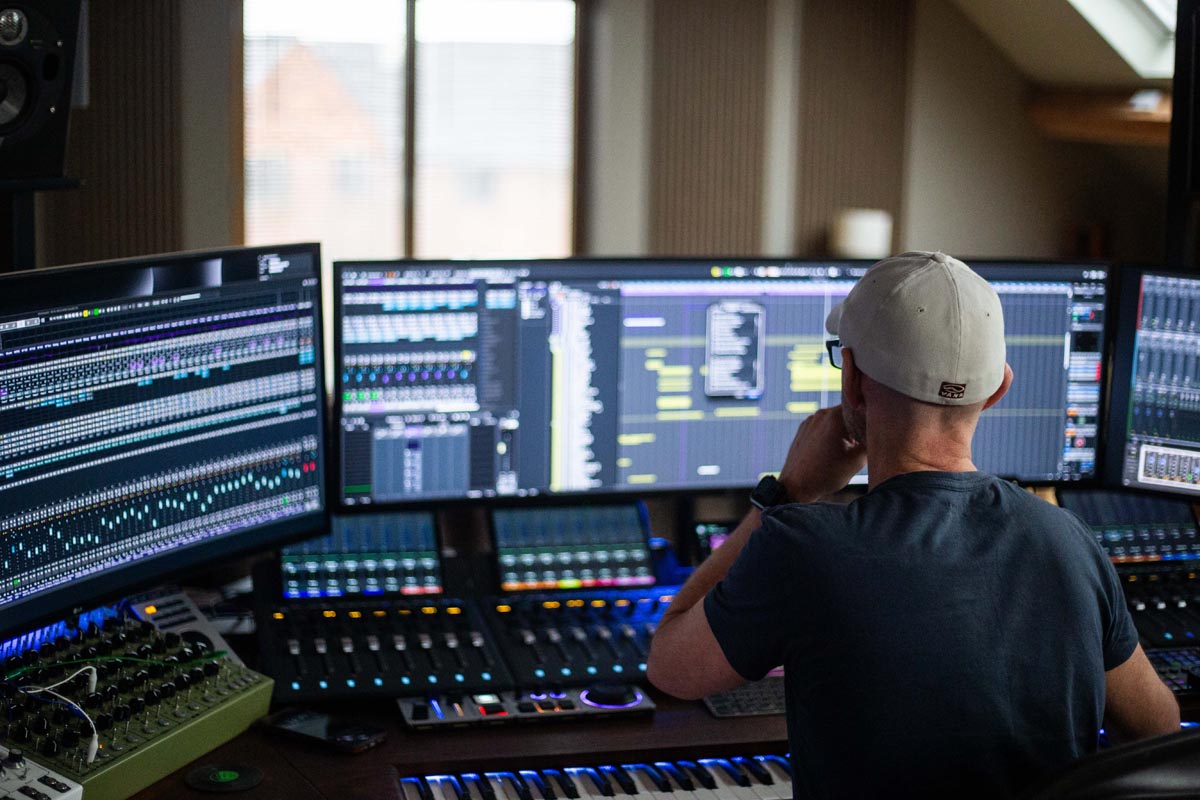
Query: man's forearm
712, 570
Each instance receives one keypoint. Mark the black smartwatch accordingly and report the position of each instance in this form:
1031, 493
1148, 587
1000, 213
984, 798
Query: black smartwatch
769, 493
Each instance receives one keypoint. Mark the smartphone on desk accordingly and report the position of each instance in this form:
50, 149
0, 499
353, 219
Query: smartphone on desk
343, 735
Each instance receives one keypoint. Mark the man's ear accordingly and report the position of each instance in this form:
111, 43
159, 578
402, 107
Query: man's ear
1003, 390
852, 388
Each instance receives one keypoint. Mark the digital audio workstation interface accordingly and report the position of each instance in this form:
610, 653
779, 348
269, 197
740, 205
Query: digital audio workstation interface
156, 415
584, 547
1158, 405
368, 554
522, 378
151, 408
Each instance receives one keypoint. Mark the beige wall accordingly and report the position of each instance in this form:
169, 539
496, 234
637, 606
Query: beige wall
208, 175
979, 180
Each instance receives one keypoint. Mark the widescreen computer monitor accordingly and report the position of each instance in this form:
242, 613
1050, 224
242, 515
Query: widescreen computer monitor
156, 414
1154, 424
483, 379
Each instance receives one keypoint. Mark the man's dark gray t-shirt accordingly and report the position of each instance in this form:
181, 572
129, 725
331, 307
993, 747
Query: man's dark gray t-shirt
946, 631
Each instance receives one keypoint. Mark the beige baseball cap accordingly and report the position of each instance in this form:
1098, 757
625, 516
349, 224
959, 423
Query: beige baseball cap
927, 326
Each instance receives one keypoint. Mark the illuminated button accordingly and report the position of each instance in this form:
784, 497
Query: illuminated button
355, 615
458, 676
591, 670
151, 610
487, 676
503, 609
454, 610
406, 680
379, 681
404, 612
323, 684
551, 604
379, 613
295, 686
541, 673
429, 609
623, 602
575, 603
433, 678
277, 615
351, 683
598, 604
566, 671
618, 668
329, 614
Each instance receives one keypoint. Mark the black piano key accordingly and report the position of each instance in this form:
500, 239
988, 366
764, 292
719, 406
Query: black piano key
700, 773
421, 787
565, 782
517, 782
657, 778
679, 776
602, 785
623, 779
733, 772
482, 784
755, 770
455, 787
542, 786
783, 763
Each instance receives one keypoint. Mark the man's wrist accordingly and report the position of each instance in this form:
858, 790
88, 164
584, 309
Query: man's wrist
795, 489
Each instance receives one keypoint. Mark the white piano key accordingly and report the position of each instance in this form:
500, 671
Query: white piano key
727, 787
588, 789
647, 789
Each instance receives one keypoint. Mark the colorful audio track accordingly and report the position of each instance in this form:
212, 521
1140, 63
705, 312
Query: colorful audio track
83, 534
140, 426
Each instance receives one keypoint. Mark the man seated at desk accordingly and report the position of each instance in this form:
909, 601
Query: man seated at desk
947, 632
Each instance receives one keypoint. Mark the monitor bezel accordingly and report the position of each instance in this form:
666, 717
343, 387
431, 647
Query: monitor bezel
633, 263
1120, 392
113, 584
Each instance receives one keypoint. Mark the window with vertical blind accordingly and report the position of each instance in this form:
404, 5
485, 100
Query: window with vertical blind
491, 120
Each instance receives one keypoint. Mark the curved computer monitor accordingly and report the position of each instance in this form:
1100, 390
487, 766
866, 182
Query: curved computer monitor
1154, 419
492, 379
156, 414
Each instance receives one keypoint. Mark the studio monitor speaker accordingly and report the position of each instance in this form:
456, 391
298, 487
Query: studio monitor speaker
37, 54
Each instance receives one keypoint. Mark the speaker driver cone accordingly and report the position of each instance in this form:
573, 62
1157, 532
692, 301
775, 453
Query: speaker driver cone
13, 27
14, 91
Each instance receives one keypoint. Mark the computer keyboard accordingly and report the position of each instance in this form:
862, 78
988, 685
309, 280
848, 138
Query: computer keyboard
751, 700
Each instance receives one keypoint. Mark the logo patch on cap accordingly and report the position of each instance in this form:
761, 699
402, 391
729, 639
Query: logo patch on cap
952, 391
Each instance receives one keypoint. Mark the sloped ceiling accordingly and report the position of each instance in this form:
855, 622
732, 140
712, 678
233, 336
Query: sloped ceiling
1052, 45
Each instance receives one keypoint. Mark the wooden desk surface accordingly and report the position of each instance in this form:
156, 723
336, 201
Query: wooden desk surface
299, 771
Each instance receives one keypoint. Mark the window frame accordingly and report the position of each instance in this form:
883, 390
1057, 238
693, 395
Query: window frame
580, 116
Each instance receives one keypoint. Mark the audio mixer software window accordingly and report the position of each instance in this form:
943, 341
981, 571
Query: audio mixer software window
1162, 420
503, 378
167, 408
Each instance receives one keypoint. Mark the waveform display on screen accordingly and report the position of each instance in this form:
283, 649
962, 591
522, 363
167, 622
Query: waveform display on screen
135, 422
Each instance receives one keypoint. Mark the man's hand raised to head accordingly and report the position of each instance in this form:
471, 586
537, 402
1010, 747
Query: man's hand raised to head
822, 458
